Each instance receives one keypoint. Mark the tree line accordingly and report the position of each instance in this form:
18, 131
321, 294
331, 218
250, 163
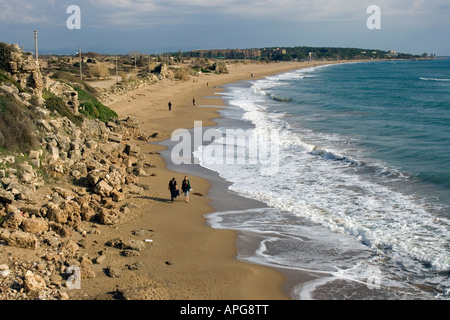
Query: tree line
299, 54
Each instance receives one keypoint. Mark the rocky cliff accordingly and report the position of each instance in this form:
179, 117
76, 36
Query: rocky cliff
76, 176
23, 68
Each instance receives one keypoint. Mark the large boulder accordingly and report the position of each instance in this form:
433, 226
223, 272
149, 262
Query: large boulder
13, 220
34, 225
109, 216
19, 239
54, 213
6, 197
103, 188
34, 282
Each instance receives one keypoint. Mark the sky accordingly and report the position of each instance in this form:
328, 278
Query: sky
157, 26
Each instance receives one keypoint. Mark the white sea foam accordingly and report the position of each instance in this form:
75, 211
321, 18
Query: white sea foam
325, 192
319, 183
434, 79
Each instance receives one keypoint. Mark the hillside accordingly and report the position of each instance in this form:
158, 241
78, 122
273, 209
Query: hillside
24, 92
70, 169
67, 163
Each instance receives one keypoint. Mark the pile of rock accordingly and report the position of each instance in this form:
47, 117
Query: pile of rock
95, 156
22, 97
49, 278
66, 92
24, 70
19, 181
97, 167
21, 283
122, 90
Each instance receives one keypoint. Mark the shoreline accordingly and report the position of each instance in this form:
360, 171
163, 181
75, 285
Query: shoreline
188, 259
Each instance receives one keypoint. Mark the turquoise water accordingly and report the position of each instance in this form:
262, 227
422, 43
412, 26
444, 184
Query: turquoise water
396, 113
360, 189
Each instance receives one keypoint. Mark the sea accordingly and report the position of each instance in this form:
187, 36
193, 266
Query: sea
348, 168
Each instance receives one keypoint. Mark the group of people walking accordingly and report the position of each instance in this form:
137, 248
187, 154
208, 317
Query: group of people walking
185, 188
170, 104
185, 185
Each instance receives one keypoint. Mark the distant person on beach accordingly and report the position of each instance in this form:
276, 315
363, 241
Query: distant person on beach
170, 106
186, 188
193, 102
174, 192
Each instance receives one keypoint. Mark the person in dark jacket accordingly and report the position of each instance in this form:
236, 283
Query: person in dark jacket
186, 188
173, 189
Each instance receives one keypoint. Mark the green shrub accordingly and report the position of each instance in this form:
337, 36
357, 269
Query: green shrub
72, 79
91, 107
5, 54
58, 105
16, 126
4, 78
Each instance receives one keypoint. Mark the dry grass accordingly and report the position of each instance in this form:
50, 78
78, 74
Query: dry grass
16, 126
99, 71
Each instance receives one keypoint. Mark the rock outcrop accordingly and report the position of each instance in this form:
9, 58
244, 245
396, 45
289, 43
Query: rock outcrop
121, 91
64, 91
96, 175
96, 167
24, 70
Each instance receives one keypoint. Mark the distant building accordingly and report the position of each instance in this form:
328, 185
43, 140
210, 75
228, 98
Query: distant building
229, 53
251, 53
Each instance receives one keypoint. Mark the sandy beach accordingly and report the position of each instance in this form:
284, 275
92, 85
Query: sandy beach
186, 260
311, 134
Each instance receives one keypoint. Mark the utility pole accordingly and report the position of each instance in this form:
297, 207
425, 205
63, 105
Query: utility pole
81, 63
36, 48
117, 71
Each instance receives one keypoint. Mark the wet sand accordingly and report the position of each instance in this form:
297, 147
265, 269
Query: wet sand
187, 260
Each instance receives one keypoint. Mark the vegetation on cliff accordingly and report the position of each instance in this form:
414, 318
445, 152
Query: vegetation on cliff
16, 126
87, 96
17, 117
